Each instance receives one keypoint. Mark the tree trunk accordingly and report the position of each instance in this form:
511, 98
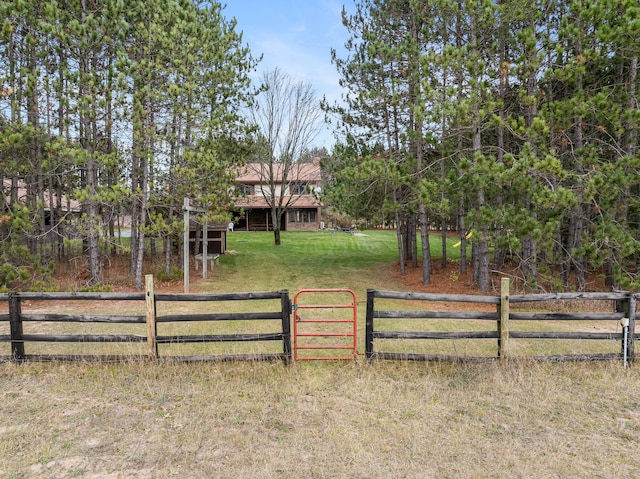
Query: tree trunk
463, 239
144, 166
276, 227
399, 222
426, 249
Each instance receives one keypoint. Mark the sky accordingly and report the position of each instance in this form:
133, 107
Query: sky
296, 36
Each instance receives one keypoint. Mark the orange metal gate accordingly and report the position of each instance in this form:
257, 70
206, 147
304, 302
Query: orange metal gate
328, 334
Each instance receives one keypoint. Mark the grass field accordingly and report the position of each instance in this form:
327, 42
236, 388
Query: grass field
307, 260
317, 419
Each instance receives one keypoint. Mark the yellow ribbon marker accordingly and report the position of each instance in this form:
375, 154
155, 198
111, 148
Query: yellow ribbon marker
469, 235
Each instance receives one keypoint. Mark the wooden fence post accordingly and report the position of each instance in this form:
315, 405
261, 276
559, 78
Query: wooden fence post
368, 341
185, 245
285, 308
503, 321
152, 344
632, 328
15, 324
628, 308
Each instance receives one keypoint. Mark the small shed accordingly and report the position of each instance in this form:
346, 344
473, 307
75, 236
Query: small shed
194, 236
216, 238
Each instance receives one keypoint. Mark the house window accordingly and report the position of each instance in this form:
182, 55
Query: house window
246, 189
298, 189
302, 216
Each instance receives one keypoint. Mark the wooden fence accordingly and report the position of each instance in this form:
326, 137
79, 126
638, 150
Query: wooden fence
504, 334
18, 339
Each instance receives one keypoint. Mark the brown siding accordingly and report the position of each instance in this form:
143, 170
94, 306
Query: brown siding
303, 226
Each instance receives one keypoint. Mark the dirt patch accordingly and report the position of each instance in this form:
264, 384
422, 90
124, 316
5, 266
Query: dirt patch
446, 280
115, 278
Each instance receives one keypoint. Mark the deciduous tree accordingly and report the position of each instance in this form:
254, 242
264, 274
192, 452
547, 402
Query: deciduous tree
286, 116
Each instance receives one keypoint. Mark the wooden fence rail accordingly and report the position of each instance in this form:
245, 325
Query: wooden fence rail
624, 315
504, 333
18, 338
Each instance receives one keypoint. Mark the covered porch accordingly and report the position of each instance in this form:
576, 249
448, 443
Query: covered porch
257, 219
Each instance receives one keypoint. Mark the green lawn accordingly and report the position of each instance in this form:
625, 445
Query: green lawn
312, 260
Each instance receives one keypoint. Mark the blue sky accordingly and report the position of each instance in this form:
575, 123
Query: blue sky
295, 36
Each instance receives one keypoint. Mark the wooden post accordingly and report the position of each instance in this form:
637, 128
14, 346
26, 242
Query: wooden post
285, 308
205, 247
152, 345
632, 328
368, 342
15, 324
185, 246
628, 308
503, 321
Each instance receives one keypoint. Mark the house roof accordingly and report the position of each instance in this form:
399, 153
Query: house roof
301, 201
210, 226
256, 173
75, 205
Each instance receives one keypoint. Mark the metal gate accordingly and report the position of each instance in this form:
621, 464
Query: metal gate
324, 331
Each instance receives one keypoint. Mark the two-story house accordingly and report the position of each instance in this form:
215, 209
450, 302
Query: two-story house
298, 192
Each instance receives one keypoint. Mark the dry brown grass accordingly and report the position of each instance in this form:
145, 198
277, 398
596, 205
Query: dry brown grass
319, 420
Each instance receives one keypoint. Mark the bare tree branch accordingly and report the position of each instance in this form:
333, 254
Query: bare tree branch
286, 116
